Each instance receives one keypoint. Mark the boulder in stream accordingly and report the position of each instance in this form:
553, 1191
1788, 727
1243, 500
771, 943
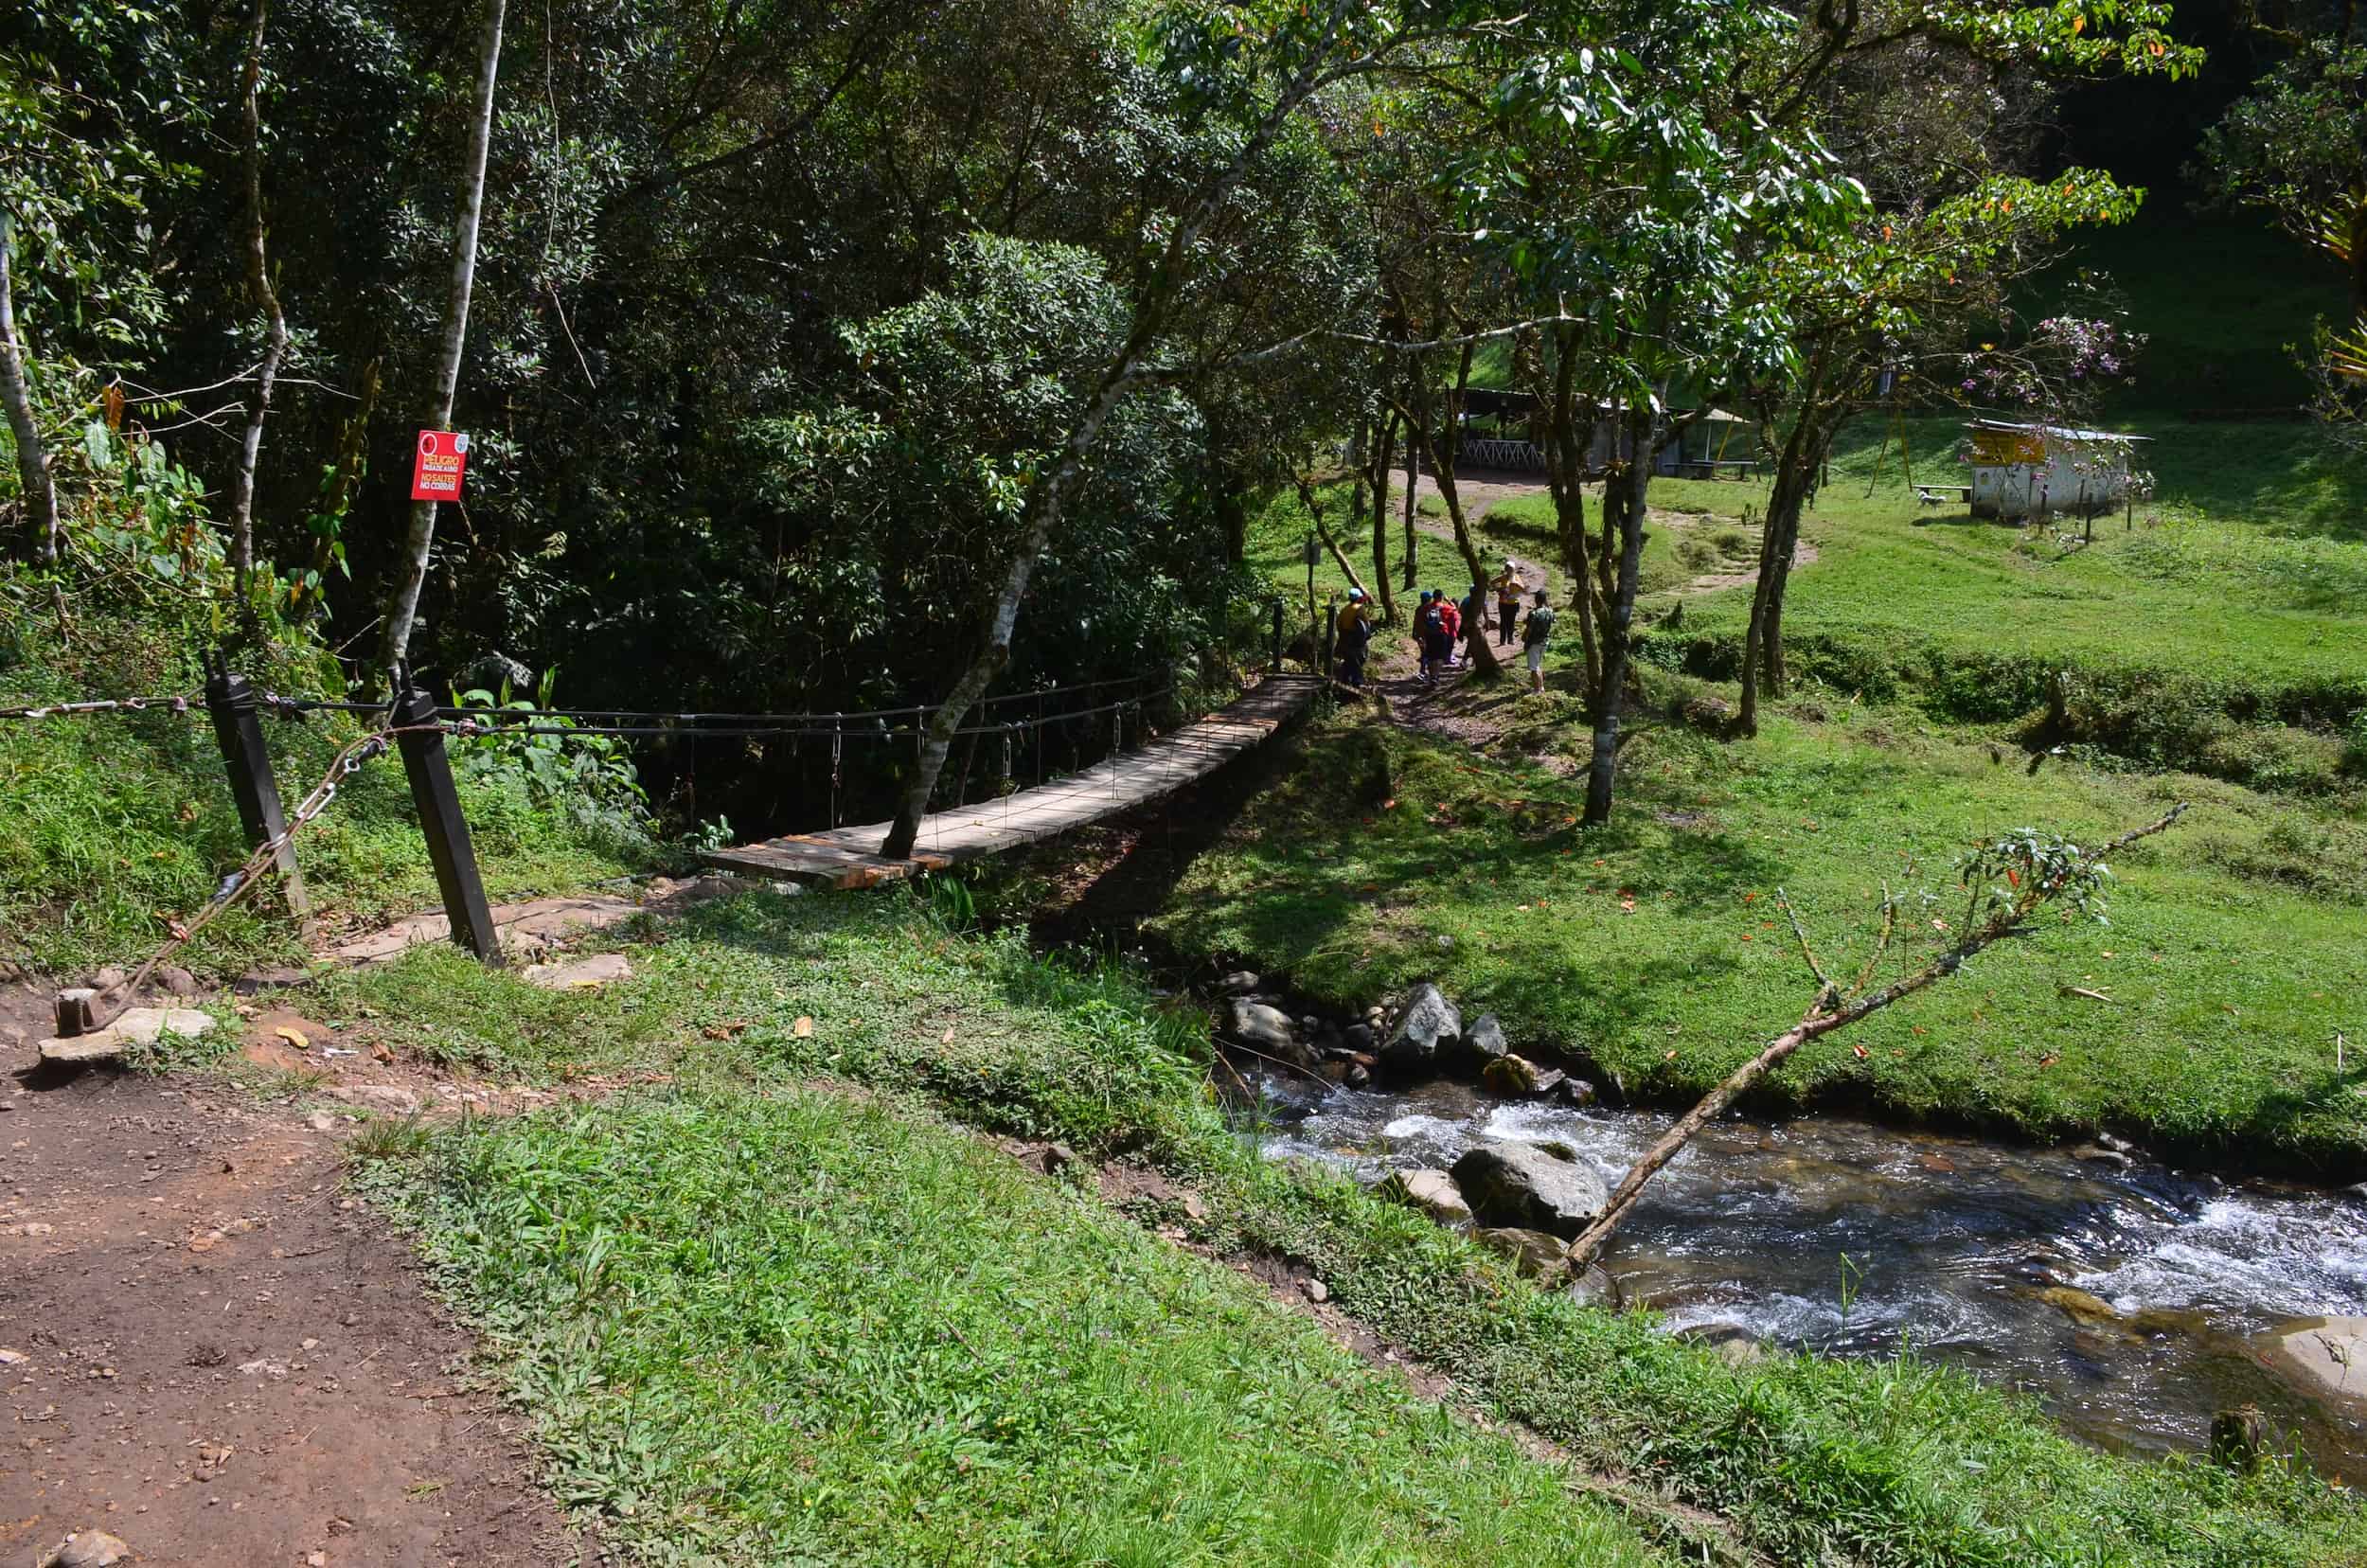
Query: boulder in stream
1533, 1251
1426, 1023
1511, 1075
2324, 1357
1485, 1040
1266, 1029
1431, 1191
1730, 1341
1595, 1288
1515, 1183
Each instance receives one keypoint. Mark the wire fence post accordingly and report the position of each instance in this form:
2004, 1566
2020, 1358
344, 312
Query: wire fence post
239, 731
441, 821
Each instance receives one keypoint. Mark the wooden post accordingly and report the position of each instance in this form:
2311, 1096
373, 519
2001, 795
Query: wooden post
1274, 659
239, 731
445, 828
78, 1011
1331, 621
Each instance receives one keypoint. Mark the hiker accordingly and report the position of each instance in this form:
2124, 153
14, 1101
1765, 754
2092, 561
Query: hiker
1354, 636
1509, 587
1534, 634
1451, 619
1429, 635
1475, 617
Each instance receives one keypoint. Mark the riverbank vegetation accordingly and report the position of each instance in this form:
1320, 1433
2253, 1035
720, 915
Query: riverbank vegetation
812, 1042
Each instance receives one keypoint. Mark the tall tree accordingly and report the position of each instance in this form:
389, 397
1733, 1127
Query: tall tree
35, 483
1251, 75
403, 603
259, 282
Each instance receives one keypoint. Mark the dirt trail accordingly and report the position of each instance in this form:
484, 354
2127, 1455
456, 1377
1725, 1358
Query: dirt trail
1480, 493
1478, 717
211, 1351
216, 1356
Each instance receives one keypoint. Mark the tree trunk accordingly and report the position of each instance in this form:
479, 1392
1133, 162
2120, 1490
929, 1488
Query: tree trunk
1322, 530
1565, 448
402, 605
259, 284
1232, 503
1623, 503
32, 457
1415, 439
1815, 423
1382, 448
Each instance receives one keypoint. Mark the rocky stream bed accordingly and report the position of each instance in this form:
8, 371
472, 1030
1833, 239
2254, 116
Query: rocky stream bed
2137, 1301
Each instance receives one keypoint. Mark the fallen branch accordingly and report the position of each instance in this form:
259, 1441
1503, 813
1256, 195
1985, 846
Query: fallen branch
2038, 871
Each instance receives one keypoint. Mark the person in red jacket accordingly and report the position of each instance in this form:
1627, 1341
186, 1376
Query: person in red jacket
1453, 619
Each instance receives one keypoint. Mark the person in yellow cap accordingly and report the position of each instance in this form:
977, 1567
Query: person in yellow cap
1353, 636
1509, 587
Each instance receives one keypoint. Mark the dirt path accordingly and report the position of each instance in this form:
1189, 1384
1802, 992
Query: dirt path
1454, 709
211, 1353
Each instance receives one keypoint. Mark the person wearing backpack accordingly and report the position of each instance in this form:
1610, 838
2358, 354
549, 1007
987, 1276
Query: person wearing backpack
1451, 618
1354, 633
1429, 634
1535, 633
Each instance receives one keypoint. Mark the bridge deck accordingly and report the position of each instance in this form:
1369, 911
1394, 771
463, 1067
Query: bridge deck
848, 857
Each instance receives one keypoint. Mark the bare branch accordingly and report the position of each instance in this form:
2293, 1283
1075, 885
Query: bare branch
1881, 943
1819, 1021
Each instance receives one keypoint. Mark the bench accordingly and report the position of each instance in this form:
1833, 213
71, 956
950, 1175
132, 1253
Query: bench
1706, 468
1940, 495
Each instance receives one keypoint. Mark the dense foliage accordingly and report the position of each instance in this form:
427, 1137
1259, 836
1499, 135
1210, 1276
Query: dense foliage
795, 324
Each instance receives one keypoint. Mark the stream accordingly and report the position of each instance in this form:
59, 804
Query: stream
1851, 1239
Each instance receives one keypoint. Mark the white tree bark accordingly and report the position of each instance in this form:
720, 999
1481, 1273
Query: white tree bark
404, 604
32, 459
259, 284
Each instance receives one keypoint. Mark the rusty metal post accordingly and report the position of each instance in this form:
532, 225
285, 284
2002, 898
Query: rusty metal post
441, 823
239, 731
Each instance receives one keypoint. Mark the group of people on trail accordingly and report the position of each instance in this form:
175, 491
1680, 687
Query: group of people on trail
1440, 624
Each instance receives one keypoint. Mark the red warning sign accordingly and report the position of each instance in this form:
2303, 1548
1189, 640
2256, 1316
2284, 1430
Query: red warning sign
436, 471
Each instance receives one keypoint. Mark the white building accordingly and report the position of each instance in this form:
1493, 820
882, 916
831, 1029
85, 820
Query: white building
2038, 470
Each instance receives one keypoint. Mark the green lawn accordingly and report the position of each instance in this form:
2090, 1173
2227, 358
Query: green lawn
2219, 299
749, 1303
1653, 949
803, 1328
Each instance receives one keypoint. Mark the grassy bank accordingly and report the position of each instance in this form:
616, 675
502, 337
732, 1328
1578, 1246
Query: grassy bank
678, 1258
1653, 949
801, 1326
118, 823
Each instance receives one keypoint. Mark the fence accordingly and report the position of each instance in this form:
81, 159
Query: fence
416, 726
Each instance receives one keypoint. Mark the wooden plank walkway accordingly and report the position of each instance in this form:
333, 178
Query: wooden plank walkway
848, 857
